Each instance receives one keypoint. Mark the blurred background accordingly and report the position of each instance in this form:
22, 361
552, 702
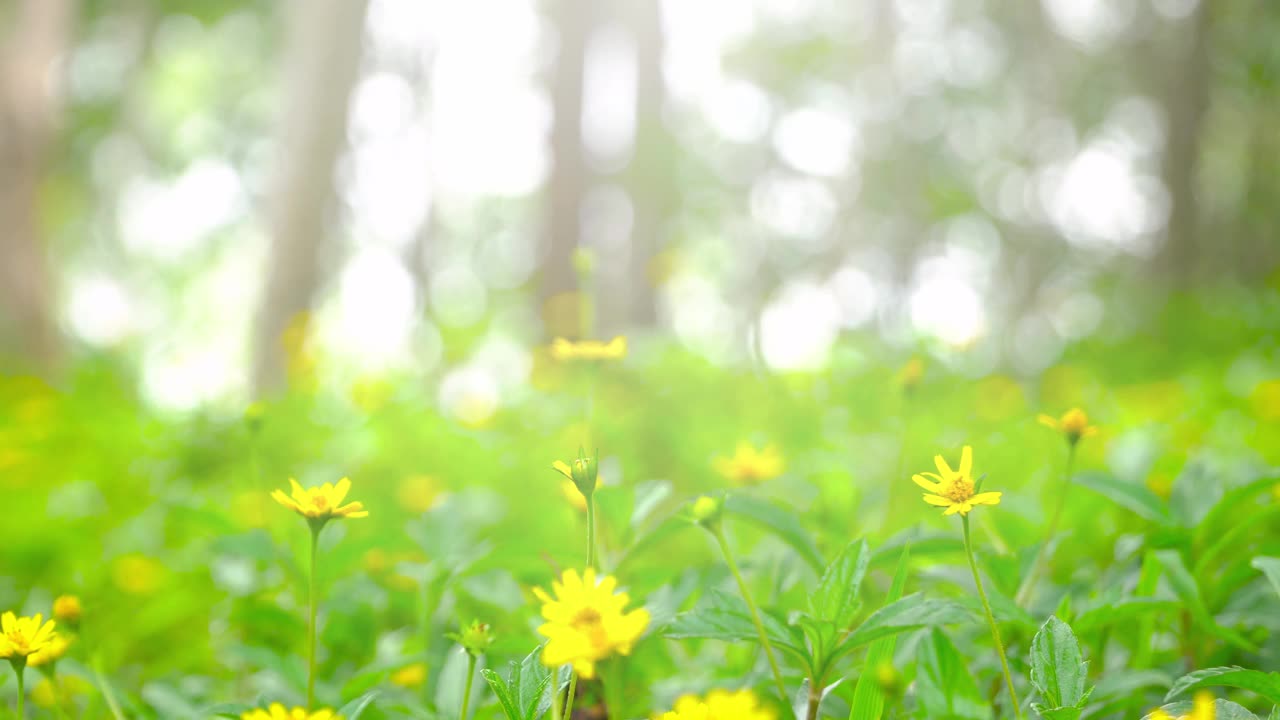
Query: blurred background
192, 189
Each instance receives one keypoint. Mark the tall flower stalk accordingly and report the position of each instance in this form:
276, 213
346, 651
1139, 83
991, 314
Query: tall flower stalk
709, 513
958, 492
991, 620
317, 505
1073, 425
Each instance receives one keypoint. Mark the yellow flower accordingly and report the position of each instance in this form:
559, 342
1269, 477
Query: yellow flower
51, 653
321, 503
418, 493
586, 622
278, 712
67, 608
615, 349
137, 574
1202, 708
24, 636
1074, 424
724, 705
748, 465
911, 374
1160, 484
410, 675
954, 489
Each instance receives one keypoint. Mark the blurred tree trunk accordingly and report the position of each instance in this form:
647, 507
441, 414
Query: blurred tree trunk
30, 105
567, 183
321, 64
1186, 99
650, 175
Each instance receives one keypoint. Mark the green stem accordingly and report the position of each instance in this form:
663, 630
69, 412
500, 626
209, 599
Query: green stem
591, 530
991, 620
573, 692
105, 687
1042, 556
466, 693
718, 531
311, 622
22, 713
556, 704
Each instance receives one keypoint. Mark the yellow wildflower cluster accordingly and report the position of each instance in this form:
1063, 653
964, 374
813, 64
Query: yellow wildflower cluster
586, 621
276, 711
749, 465
956, 489
320, 503
615, 349
721, 705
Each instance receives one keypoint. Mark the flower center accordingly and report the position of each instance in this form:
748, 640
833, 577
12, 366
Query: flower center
320, 502
17, 640
588, 622
960, 489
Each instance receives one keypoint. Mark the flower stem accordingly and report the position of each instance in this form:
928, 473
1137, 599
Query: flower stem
21, 692
718, 531
573, 691
1042, 556
466, 693
311, 622
991, 620
591, 531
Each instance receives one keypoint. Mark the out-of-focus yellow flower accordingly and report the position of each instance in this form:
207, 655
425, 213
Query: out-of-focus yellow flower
67, 608
585, 621
954, 489
575, 496
889, 679
1202, 708
376, 560
24, 636
748, 466
321, 503
51, 653
410, 676
46, 695
1265, 400
563, 349
276, 711
418, 493
251, 509
1074, 424
137, 574
724, 705
1160, 484
911, 374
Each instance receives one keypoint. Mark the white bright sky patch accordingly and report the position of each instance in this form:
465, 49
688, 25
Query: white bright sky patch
737, 110
375, 310
1100, 199
697, 34
458, 296
699, 315
490, 121
609, 96
945, 305
815, 141
855, 293
1090, 22
798, 328
168, 220
796, 207
470, 394
390, 188
99, 310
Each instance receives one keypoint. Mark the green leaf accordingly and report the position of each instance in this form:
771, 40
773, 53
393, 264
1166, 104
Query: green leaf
1058, 670
353, 709
868, 698
1231, 504
944, 687
524, 694
1263, 683
1185, 587
1121, 612
836, 599
1129, 495
781, 522
1270, 567
728, 618
911, 612
1222, 710
229, 710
